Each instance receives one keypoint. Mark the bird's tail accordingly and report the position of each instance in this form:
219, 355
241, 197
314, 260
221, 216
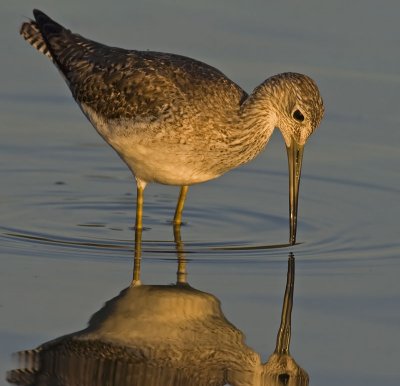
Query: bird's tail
67, 50
47, 36
29, 365
31, 33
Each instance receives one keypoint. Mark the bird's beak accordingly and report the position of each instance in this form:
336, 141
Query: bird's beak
295, 158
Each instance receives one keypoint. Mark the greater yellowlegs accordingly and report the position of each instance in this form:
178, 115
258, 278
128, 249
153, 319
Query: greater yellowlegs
175, 120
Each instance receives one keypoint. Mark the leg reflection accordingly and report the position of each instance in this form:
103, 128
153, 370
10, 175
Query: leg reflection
181, 274
137, 258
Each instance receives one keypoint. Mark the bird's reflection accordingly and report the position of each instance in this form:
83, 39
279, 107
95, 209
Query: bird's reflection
169, 335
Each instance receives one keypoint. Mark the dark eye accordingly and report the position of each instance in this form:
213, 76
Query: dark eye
298, 116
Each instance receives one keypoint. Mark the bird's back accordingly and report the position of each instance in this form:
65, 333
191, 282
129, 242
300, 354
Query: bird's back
119, 83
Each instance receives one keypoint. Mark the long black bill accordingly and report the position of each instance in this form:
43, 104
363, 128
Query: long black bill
295, 158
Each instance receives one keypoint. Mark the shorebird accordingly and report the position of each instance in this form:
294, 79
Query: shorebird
175, 120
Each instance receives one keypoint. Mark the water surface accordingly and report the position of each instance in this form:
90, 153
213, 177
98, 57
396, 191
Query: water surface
67, 201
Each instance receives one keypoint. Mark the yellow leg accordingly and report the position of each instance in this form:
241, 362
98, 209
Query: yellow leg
179, 206
139, 207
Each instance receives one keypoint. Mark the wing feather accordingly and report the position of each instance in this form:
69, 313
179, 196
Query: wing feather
122, 84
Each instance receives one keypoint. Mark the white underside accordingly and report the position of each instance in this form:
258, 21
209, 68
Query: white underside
148, 157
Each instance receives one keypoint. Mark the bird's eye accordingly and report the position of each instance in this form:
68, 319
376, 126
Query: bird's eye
298, 116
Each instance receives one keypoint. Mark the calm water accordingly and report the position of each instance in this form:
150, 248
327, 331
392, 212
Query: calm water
67, 201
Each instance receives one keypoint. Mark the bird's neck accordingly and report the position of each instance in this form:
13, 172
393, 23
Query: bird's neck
257, 120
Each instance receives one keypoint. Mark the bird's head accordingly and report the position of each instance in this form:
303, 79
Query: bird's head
298, 106
298, 109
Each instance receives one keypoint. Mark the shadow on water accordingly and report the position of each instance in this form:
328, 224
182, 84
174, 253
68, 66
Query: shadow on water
162, 335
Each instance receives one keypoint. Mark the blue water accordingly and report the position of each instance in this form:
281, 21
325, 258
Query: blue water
67, 201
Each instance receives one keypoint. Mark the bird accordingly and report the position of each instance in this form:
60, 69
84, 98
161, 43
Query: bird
175, 120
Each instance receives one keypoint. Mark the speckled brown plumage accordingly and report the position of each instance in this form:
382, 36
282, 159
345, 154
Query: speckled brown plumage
120, 83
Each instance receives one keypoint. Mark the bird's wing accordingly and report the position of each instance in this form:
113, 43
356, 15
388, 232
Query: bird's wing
119, 83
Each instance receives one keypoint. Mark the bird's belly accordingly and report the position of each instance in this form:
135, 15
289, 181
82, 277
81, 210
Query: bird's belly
163, 164
152, 155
